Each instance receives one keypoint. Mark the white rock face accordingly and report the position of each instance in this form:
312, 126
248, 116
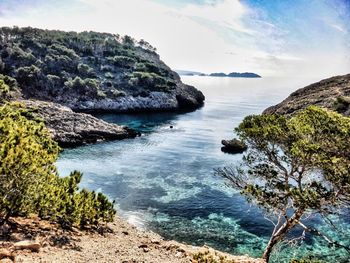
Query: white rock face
156, 101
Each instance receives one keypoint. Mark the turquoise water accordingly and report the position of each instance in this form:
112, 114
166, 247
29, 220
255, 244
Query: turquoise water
164, 180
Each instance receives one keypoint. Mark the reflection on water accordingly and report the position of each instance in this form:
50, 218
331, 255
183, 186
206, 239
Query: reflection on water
164, 180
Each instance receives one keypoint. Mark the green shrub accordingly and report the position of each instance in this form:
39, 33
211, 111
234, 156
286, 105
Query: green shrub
61, 201
30, 182
147, 66
7, 84
342, 104
128, 41
4, 89
23, 57
59, 49
146, 78
152, 81
123, 61
28, 75
83, 86
140, 67
109, 75
53, 79
11, 82
85, 70
101, 94
117, 93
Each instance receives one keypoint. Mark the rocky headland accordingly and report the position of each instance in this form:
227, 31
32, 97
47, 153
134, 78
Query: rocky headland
62, 73
92, 71
332, 93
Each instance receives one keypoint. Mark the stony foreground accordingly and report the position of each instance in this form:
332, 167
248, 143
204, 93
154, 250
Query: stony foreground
121, 243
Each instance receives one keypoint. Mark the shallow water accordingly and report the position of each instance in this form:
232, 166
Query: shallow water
164, 180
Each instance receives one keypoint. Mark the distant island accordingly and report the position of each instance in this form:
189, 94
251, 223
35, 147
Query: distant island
236, 75
189, 73
220, 74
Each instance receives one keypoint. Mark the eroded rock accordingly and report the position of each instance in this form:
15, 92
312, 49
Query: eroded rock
5, 253
27, 244
70, 129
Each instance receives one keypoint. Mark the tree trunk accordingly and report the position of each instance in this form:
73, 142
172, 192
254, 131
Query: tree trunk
281, 233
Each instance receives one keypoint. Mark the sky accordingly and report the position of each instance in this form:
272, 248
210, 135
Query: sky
308, 38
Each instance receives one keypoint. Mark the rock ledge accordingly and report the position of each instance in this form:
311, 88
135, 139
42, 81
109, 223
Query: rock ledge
71, 129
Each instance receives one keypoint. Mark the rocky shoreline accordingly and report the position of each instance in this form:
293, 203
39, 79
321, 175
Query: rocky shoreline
185, 98
73, 125
70, 129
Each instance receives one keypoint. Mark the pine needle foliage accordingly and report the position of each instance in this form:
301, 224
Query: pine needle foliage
295, 166
29, 179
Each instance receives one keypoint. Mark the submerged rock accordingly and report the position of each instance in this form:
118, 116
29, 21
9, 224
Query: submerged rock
233, 146
71, 129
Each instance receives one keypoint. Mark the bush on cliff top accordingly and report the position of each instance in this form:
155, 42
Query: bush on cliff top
7, 85
32, 56
29, 179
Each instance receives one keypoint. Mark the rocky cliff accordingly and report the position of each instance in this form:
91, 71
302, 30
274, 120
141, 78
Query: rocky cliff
332, 93
60, 73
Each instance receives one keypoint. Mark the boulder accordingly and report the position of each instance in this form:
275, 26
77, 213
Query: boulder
189, 98
27, 244
5, 253
233, 146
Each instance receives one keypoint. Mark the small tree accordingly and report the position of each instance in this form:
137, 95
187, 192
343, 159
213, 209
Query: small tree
294, 166
27, 154
4, 89
128, 41
29, 180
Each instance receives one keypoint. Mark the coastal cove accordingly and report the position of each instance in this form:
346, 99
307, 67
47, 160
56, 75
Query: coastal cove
164, 180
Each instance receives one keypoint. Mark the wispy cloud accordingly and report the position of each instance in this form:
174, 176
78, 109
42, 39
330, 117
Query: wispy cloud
271, 37
228, 14
339, 28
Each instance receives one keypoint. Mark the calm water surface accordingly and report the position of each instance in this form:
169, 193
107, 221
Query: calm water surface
164, 180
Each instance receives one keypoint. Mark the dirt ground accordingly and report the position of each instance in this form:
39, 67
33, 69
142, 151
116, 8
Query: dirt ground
119, 243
